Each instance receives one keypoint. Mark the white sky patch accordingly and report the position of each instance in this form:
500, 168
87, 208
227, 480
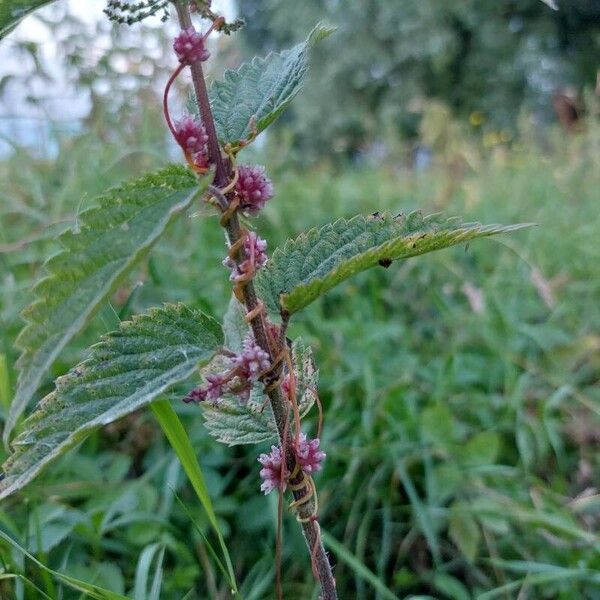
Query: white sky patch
60, 105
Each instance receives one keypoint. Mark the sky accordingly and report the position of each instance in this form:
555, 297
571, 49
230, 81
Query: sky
24, 123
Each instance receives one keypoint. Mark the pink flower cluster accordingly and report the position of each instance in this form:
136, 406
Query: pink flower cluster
255, 250
307, 454
189, 46
213, 389
252, 361
191, 135
246, 367
253, 187
271, 475
286, 385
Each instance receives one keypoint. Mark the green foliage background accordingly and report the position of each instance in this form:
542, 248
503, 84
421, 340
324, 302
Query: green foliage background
461, 436
494, 58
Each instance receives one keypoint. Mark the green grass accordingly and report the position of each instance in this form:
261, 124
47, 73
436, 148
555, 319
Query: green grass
460, 391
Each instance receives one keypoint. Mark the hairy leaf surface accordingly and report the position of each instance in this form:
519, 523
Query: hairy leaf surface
261, 89
307, 376
235, 326
233, 423
319, 259
108, 240
12, 11
125, 371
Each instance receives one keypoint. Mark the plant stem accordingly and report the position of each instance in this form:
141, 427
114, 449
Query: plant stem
279, 402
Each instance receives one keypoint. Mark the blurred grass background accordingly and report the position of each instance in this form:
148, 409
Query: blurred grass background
460, 389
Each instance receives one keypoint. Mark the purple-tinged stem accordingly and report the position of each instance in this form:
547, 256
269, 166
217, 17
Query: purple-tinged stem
279, 403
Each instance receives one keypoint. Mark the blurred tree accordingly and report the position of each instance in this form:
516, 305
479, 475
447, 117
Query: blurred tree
487, 58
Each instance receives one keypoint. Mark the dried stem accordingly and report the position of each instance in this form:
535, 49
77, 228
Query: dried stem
279, 401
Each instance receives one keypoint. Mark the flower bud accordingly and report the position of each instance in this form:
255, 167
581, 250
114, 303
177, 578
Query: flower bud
213, 390
271, 473
308, 454
255, 250
253, 187
189, 47
252, 361
191, 136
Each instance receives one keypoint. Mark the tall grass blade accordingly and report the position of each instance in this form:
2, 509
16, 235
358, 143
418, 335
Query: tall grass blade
93, 591
181, 444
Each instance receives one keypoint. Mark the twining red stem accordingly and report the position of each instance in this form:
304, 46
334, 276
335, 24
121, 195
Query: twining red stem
166, 98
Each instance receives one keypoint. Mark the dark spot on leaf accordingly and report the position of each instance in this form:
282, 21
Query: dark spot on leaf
385, 262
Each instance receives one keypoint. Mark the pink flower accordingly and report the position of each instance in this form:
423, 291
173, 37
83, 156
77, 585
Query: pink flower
201, 162
189, 47
236, 272
255, 249
213, 390
308, 454
191, 135
252, 361
253, 187
196, 395
271, 473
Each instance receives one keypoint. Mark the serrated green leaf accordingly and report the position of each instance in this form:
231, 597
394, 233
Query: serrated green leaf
125, 371
109, 239
261, 89
235, 326
320, 259
307, 376
12, 11
234, 422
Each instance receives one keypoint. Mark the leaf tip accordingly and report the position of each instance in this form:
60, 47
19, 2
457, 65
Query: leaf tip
320, 31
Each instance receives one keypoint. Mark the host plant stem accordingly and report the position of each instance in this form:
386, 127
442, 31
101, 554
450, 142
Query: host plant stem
279, 402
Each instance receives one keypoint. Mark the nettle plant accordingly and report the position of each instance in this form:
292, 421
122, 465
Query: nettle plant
257, 385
